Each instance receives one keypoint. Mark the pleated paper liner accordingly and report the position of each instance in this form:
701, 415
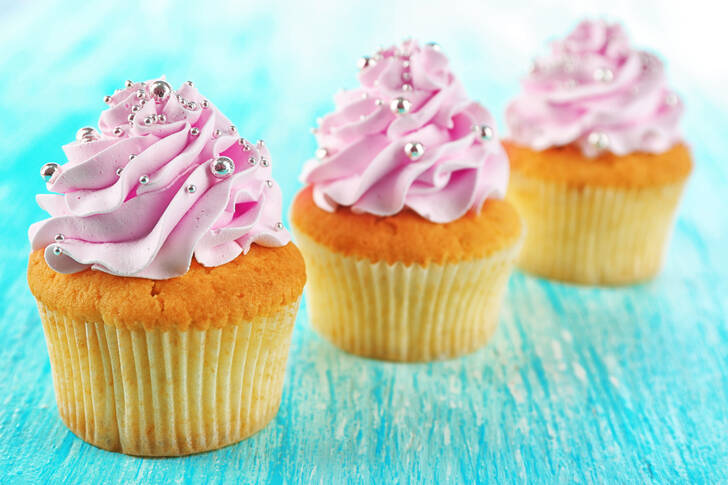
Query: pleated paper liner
167, 393
594, 235
404, 313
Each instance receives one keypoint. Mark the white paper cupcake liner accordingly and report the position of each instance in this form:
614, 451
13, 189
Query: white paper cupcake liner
404, 313
167, 392
594, 235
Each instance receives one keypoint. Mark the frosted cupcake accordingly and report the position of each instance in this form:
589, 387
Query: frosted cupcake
598, 163
407, 241
165, 281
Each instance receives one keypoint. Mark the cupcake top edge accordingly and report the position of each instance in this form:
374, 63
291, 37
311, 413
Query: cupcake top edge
165, 177
596, 91
408, 137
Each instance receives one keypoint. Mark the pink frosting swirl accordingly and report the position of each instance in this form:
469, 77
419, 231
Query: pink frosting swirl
167, 177
409, 136
596, 91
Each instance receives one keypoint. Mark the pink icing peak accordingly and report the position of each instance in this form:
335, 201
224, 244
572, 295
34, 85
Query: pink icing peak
141, 197
598, 92
407, 137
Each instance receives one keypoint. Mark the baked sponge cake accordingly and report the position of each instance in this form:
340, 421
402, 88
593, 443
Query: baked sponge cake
598, 162
407, 241
166, 284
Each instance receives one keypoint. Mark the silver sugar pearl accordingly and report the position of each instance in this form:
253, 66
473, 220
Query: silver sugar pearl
135, 108
400, 106
406, 64
129, 83
130, 117
140, 93
49, 170
406, 76
194, 131
433, 45
222, 167
192, 106
243, 143
131, 157
216, 133
279, 226
378, 102
269, 183
160, 91
264, 162
118, 131
191, 189
57, 250
59, 237
118, 171
161, 118
406, 87
484, 132
322, 153
189, 83
144, 179
87, 133
252, 161
604, 75
414, 150
366, 61
598, 140
107, 99
233, 129
148, 121
205, 103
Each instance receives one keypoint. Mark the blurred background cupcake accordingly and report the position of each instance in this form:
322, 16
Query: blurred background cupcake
152, 352
407, 242
598, 161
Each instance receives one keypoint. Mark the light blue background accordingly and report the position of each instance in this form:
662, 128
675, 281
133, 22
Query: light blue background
578, 384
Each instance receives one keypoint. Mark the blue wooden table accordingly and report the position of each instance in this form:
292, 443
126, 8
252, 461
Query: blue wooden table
579, 384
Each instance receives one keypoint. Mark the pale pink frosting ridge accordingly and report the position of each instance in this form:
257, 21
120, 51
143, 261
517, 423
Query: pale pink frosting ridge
407, 137
164, 178
596, 91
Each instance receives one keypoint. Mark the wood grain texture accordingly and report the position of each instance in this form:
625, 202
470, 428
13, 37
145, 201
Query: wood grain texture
578, 384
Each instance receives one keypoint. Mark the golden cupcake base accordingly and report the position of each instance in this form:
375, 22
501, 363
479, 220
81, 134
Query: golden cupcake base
594, 235
401, 312
167, 392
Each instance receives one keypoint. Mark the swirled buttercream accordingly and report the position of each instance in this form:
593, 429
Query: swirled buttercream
407, 137
164, 178
598, 92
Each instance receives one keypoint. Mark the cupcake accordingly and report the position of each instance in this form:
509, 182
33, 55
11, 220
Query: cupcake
154, 352
407, 241
598, 163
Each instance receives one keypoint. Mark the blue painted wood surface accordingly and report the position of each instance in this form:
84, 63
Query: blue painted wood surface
579, 384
